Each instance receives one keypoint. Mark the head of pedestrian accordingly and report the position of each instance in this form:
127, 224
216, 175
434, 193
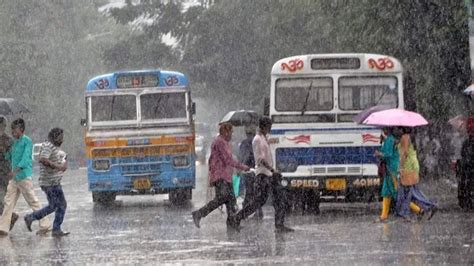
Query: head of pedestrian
407, 130
225, 130
56, 136
18, 128
265, 125
3, 124
250, 130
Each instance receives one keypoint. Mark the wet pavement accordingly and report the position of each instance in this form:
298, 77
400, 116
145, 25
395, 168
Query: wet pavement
149, 230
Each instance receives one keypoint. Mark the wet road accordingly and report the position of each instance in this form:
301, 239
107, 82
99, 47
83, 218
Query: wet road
149, 230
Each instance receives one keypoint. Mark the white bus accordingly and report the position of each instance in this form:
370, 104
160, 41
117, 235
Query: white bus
321, 152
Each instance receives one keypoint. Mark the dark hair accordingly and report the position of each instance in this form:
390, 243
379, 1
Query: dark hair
264, 122
54, 133
19, 123
407, 130
3, 121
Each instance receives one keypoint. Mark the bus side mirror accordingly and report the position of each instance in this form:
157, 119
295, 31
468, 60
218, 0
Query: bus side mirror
193, 108
266, 106
83, 122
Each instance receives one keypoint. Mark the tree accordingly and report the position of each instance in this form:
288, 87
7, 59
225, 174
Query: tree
50, 51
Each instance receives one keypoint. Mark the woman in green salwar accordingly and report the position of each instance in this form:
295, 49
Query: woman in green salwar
389, 153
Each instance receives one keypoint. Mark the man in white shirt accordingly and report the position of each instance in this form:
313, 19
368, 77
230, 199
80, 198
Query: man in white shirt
267, 179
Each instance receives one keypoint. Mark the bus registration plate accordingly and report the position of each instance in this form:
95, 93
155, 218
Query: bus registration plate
335, 184
142, 183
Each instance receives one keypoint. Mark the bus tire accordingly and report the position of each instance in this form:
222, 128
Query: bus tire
180, 196
103, 197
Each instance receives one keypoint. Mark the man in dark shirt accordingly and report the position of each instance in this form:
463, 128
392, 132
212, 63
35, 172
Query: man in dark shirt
5, 166
246, 157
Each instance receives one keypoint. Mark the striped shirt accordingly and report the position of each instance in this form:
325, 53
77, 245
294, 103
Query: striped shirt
50, 176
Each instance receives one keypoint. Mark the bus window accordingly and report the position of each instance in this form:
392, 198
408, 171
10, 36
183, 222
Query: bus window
359, 93
308, 94
163, 105
113, 108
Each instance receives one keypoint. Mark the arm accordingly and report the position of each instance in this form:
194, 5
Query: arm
404, 146
26, 159
45, 153
259, 155
226, 156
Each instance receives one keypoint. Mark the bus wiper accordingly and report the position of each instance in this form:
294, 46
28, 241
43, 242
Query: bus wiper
112, 111
306, 100
381, 96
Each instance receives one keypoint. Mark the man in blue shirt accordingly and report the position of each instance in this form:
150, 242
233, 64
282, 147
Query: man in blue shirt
21, 182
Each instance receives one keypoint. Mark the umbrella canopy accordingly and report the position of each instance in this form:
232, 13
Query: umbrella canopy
360, 117
469, 90
395, 117
9, 106
241, 118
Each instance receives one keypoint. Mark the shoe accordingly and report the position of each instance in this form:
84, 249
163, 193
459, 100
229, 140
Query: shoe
232, 223
59, 233
196, 219
3, 233
283, 229
42, 232
14, 219
432, 212
381, 220
28, 223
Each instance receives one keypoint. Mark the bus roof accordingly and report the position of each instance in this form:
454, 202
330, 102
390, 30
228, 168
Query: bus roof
137, 79
331, 63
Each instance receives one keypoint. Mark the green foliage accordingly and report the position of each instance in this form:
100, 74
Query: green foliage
50, 50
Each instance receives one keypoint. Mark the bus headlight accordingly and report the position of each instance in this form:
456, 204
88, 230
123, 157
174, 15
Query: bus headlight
180, 161
101, 165
284, 182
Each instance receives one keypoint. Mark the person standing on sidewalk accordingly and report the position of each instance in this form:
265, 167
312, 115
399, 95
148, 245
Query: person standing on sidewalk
52, 166
5, 166
221, 163
21, 174
267, 180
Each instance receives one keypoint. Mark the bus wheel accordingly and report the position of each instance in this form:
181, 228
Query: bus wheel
180, 196
103, 197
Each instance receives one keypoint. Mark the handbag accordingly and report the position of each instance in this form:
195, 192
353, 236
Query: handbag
409, 177
382, 169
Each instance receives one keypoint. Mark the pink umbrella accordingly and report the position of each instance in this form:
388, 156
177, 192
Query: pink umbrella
395, 117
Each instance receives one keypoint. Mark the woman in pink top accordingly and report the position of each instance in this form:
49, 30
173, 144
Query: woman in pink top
221, 164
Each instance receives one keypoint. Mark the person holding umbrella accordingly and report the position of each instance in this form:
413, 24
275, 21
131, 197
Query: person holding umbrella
221, 163
390, 155
410, 196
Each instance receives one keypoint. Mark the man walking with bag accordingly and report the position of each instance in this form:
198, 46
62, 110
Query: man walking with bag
267, 180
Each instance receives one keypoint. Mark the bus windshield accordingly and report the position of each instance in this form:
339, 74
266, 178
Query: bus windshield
304, 94
156, 106
361, 92
113, 108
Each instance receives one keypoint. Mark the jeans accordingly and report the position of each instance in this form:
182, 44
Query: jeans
263, 186
224, 195
56, 203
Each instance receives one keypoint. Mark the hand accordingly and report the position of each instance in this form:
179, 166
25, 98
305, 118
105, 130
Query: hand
378, 154
62, 168
246, 168
11, 174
